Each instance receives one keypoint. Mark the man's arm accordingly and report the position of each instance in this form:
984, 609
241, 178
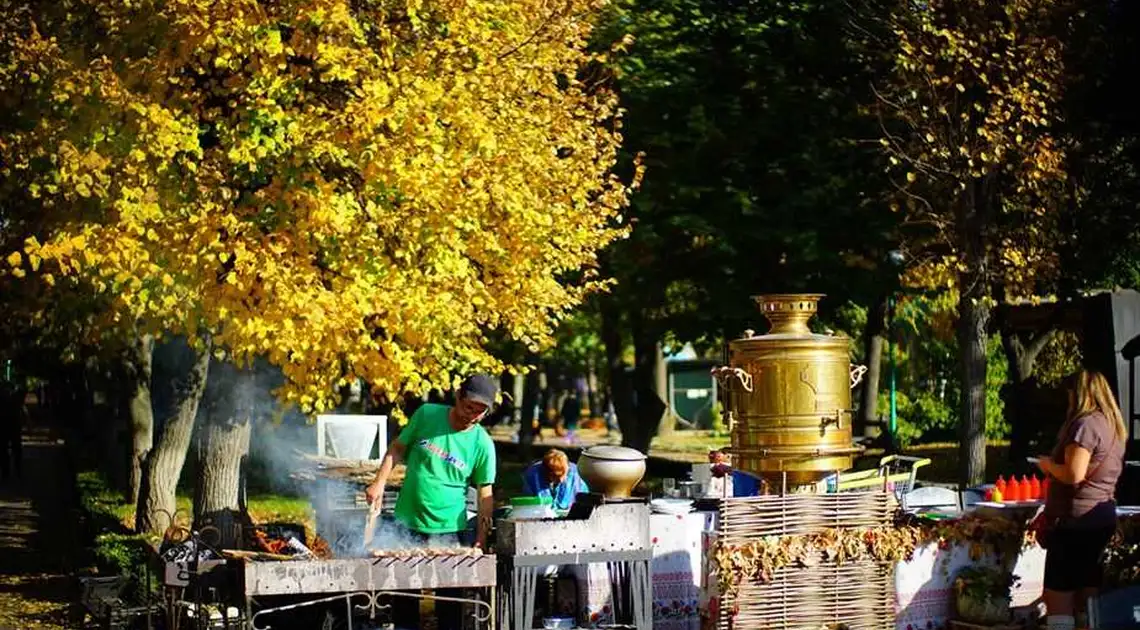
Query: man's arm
393, 456
486, 507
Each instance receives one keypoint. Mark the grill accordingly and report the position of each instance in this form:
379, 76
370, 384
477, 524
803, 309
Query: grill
598, 530
301, 577
359, 583
342, 511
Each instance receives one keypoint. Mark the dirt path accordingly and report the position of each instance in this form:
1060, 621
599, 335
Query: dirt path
37, 537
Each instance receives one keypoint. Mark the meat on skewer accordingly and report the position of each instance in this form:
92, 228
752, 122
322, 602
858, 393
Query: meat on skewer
430, 552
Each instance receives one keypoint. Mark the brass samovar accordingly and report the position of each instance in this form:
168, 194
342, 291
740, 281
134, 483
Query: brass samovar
789, 396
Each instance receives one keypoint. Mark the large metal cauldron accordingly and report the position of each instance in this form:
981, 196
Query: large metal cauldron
789, 396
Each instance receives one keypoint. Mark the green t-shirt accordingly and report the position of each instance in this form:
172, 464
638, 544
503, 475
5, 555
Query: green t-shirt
441, 463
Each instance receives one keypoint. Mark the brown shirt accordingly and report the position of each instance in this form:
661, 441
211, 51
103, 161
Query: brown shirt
1095, 433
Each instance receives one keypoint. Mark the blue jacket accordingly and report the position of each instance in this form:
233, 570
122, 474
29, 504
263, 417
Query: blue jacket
562, 494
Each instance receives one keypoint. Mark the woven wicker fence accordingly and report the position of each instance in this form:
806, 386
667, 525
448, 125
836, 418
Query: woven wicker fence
854, 595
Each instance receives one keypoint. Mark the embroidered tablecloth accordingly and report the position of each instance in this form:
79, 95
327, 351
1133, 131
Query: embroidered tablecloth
924, 585
675, 572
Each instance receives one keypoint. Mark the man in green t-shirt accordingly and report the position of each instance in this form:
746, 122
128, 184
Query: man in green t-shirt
445, 450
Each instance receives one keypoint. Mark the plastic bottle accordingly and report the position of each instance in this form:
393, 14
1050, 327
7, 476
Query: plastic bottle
1034, 488
1045, 488
1013, 490
1000, 484
997, 496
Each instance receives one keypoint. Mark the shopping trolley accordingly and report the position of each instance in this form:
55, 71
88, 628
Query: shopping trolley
896, 473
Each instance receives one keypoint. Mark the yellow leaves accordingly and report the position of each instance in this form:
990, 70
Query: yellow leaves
372, 213
15, 259
978, 98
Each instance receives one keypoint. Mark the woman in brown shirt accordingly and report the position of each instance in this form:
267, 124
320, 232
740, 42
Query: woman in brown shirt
1083, 469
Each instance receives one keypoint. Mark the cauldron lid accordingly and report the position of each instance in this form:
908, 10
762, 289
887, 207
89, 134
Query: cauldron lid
618, 453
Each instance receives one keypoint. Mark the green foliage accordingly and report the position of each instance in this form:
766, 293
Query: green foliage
719, 428
1058, 359
747, 114
928, 381
997, 426
924, 418
114, 550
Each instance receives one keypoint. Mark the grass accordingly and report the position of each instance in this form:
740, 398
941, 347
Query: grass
263, 508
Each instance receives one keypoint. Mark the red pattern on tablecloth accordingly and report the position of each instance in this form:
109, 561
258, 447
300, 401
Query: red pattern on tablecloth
675, 572
924, 591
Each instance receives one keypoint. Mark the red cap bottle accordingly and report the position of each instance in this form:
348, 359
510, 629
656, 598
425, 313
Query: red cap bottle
1000, 484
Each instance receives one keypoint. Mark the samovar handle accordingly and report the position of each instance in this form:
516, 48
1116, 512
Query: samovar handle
723, 372
857, 372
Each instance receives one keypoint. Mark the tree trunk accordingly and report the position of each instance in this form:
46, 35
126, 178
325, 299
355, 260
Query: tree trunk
1022, 360
974, 216
139, 360
621, 387
668, 420
518, 392
528, 421
874, 338
593, 400
973, 317
156, 507
649, 407
220, 500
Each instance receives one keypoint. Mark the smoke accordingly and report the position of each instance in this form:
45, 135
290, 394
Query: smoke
280, 440
343, 515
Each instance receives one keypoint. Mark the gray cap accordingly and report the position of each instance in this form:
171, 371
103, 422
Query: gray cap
480, 388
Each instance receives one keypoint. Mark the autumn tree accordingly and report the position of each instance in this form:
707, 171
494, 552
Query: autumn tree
762, 176
347, 189
968, 124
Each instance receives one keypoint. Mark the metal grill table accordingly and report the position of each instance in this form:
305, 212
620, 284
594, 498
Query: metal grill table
614, 532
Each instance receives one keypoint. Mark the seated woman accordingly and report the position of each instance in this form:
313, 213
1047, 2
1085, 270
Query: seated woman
554, 477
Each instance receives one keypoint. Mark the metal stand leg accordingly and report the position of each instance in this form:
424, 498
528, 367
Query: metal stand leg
524, 588
493, 594
619, 590
642, 588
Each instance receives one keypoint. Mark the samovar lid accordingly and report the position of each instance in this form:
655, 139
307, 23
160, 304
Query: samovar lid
616, 453
788, 314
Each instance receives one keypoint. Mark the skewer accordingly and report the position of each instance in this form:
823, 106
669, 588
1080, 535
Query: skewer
370, 525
